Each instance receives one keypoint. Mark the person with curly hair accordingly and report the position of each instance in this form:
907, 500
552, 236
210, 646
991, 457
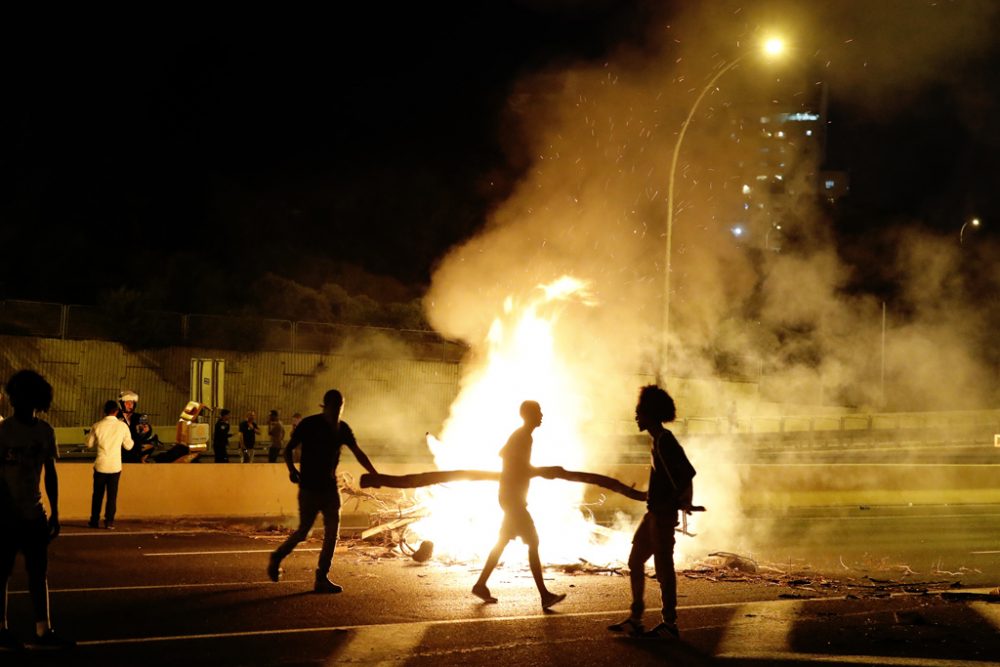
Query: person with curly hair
670, 492
27, 446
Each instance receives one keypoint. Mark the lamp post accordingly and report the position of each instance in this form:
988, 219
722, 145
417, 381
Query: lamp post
772, 47
961, 233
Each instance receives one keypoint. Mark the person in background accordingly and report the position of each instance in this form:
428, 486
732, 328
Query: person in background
27, 446
249, 430
109, 436
321, 436
296, 418
220, 437
128, 403
276, 431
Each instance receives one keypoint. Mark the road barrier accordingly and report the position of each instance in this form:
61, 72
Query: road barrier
164, 491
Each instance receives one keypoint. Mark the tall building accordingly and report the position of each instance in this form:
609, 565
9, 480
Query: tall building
783, 146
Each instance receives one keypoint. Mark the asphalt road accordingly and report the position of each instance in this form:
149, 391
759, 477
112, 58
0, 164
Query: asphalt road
185, 594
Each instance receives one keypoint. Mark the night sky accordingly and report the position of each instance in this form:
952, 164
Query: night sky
183, 156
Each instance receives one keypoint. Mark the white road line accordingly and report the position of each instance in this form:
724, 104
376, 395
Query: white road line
894, 661
218, 553
108, 589
97, 532
766, 625
984, 552
611, 613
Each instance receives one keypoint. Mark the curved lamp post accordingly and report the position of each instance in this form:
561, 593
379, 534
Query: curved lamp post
961, 233
772, 47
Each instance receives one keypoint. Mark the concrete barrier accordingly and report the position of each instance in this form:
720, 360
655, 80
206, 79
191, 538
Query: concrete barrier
262, 490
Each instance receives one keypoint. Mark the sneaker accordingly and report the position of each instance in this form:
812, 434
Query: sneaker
274, 568
9, 641
483, 594
551, 599
109, 525
93, 524
324, 585
631, 626
50, 640
664, 631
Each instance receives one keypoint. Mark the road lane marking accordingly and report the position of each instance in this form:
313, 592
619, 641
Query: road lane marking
154, 587
984, 552
384, 643
746, 628
792, 657
221, 553
447, 621
100, 532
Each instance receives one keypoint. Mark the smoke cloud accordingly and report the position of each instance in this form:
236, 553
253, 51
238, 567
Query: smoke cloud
777, 311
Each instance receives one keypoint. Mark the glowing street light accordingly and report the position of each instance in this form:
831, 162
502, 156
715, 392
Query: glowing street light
974, 222
771, 48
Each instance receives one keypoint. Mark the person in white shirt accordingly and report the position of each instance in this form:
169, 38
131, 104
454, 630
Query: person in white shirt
109, 436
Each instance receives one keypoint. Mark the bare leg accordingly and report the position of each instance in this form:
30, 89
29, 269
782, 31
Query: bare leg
480, 590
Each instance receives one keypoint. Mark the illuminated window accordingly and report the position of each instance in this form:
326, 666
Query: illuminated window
829, 184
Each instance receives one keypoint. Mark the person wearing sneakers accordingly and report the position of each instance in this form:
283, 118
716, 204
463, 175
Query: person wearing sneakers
670, 492
28, 445
109, 436
321, 437
515, 478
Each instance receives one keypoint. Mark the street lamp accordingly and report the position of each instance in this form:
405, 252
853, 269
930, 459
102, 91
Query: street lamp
772, 47
974, 222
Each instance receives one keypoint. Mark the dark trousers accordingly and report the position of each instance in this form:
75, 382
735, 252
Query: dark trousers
102, 481
654, 537
311, 503
272, 454
221, 453
31, 538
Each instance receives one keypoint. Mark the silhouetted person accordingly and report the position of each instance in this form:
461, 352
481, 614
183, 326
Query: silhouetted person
276, 432
321, 437
27, 445
110, 436
128, 402
515, 478
670, 492
249, 430
220, 437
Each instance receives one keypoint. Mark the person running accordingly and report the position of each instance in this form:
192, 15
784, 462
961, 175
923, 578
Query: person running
321, 437
27, 446
670, 492
110, 436
515, 478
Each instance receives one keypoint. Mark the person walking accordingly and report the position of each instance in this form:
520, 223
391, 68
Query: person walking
27, 446
220, 437
109, 436
275, 431
515, 478
670, 492
321, 437
249, 430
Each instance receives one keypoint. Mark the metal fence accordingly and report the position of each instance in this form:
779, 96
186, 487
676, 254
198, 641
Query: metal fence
158, 329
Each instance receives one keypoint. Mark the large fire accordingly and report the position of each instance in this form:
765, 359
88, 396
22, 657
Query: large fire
522, 361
